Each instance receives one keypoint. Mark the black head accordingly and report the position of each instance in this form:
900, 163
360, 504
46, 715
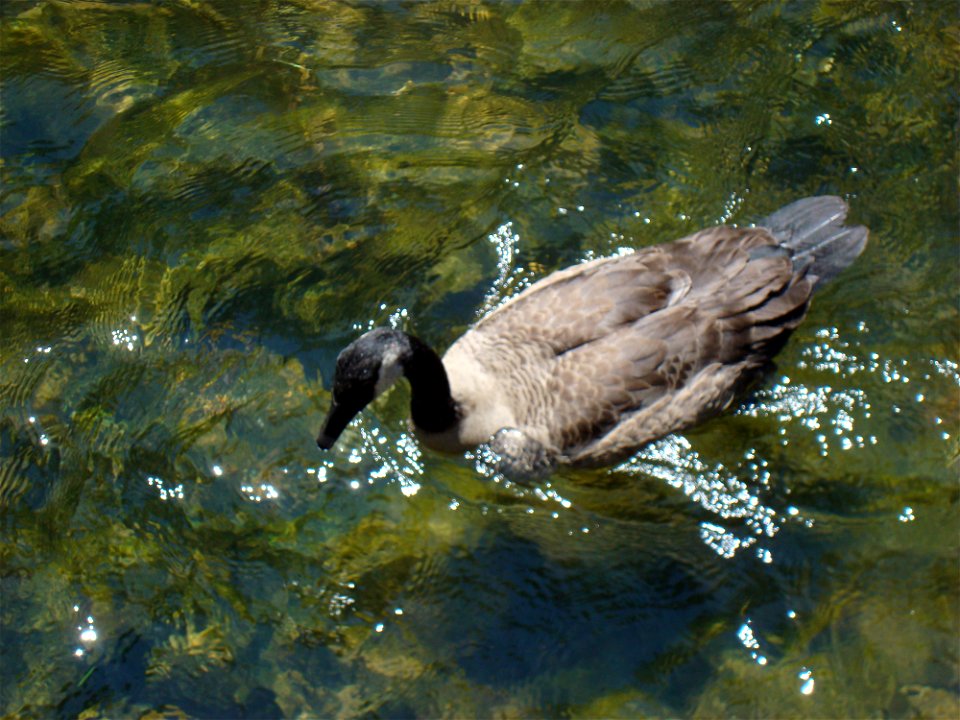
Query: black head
365, 369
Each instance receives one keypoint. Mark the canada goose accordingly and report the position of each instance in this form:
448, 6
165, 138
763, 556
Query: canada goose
593, 362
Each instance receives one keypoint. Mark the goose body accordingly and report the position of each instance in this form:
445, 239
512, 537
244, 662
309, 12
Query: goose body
593, 362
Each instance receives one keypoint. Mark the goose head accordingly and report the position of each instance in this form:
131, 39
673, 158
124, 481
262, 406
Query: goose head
365, 369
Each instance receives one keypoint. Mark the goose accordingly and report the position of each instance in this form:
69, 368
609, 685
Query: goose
591, 363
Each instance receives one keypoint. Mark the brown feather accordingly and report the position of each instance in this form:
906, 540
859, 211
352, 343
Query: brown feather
650, 327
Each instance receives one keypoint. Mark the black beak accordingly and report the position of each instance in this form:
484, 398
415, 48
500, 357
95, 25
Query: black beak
333, 426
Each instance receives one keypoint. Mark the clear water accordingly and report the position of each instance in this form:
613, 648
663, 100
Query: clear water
203, 202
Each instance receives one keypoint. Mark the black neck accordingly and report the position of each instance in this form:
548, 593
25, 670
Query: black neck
431, 405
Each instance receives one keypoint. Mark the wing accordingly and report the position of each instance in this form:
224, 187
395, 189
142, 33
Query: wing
706, 313
581, 304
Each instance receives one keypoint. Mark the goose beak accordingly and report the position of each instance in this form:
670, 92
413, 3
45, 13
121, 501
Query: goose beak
324, 441
333, 426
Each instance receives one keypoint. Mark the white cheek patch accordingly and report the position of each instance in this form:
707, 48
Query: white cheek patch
390, 371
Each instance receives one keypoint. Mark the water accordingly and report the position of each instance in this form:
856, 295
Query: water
203, 202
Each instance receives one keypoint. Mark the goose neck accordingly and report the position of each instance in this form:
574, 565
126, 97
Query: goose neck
431, 404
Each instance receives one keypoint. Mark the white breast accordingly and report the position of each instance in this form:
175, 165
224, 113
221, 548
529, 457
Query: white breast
484, 406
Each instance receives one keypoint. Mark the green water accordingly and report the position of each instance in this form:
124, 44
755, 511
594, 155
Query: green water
202, 202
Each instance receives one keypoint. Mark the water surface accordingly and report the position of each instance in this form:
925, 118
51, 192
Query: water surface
203, 202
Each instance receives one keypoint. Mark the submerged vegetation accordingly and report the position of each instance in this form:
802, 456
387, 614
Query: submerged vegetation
202, 202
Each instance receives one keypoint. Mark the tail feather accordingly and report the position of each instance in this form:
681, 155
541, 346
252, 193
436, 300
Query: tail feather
812, 230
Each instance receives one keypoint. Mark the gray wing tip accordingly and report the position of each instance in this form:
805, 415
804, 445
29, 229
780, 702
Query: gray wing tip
814, 232
822, 209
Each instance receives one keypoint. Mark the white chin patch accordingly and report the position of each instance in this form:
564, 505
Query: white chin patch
390, 371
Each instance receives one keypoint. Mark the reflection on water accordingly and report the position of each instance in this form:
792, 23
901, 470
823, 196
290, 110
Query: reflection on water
749, 640
203, 202
511, 278
87, 635
716, 489
400, 462
166, 493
